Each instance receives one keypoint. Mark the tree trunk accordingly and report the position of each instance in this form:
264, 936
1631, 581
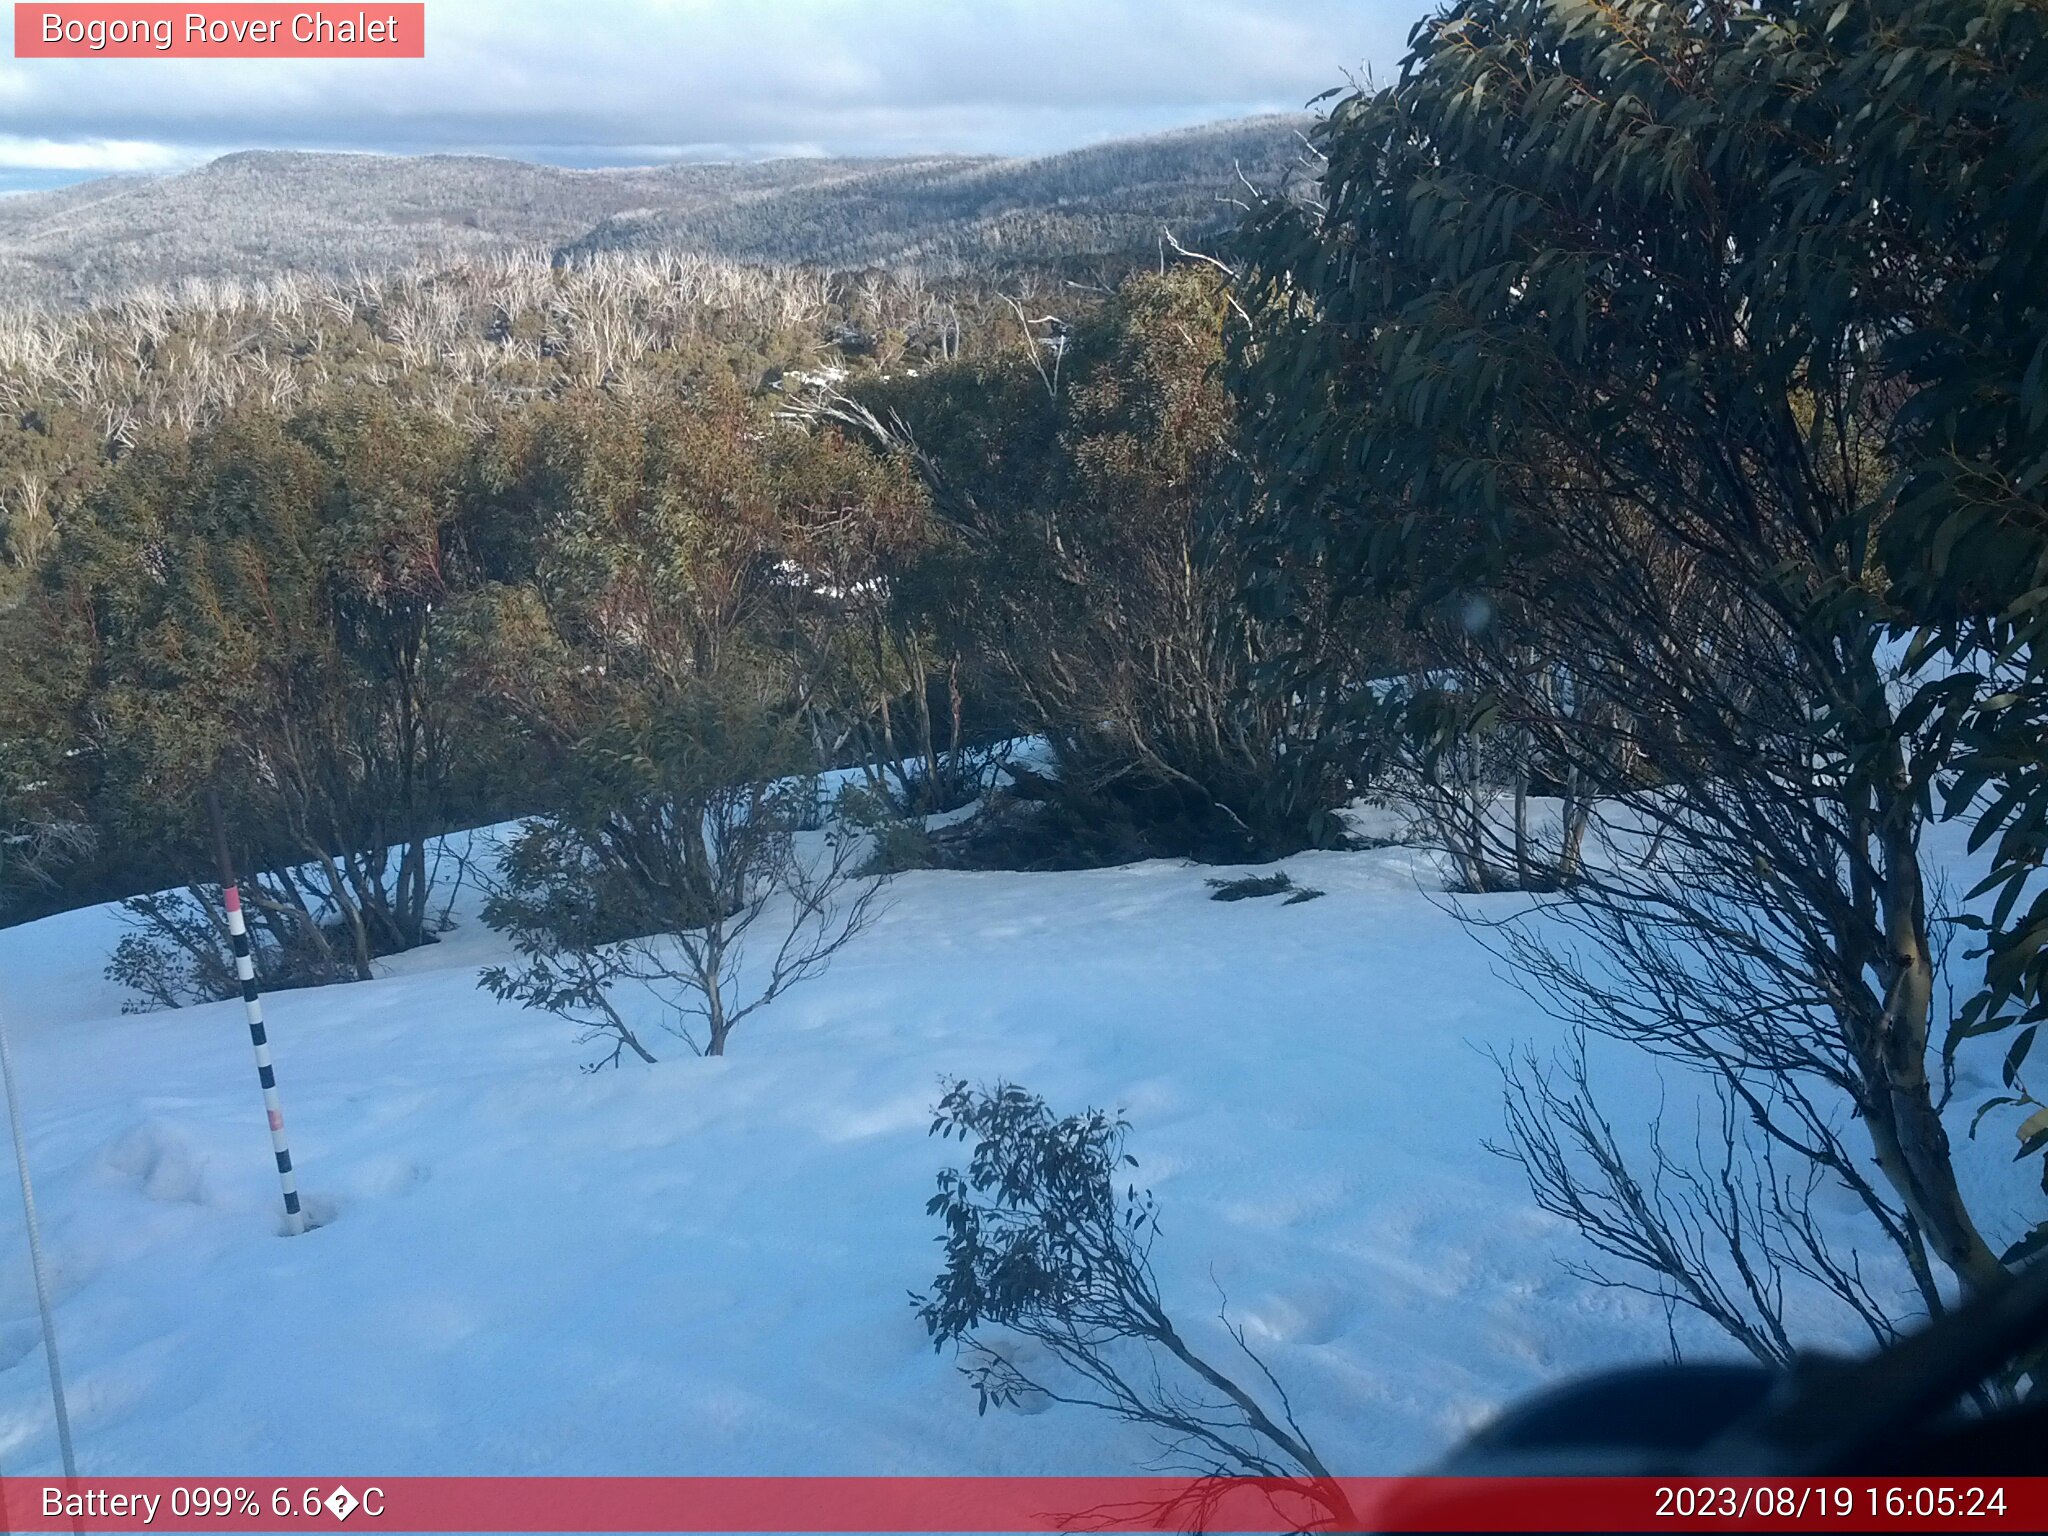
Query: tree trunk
710, 977
1522, 810
1911, 1142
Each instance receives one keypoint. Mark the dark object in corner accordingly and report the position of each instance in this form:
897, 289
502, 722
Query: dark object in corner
1900, 1412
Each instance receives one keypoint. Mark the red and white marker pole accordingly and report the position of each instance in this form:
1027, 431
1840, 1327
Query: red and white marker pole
252, 1004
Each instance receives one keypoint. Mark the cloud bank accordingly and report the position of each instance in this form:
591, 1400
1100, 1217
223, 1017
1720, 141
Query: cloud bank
632, 81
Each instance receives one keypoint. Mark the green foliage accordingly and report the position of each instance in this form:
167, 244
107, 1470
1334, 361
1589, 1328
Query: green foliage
178, 950
637, 672
675, 842
1042, 1244
897, 843
1952, 176
1091, 490
254, 613
1623, 349
1035, 1226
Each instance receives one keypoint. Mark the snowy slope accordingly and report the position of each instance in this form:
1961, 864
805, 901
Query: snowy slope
701, 1267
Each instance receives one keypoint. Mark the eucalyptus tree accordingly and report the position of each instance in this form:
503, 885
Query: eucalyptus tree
1599, 340
252, 613
676, 860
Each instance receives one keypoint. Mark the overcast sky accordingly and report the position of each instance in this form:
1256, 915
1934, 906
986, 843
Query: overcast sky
611, 82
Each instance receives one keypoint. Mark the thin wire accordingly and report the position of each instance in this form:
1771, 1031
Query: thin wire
35, 1256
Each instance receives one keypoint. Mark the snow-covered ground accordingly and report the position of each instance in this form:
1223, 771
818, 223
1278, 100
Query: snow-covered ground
702, 1267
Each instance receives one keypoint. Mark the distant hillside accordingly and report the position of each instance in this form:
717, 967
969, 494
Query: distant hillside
264, 212
948, 213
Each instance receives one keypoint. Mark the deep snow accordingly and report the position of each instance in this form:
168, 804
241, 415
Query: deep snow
702, 1267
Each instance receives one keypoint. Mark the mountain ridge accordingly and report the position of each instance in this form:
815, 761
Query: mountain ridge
261, 213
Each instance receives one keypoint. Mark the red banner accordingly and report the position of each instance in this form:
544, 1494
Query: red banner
102, 31
1024, 1504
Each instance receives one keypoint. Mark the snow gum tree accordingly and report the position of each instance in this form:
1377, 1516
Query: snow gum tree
254, 612
1042, 1247
679, 850
1604, 338
1091, 489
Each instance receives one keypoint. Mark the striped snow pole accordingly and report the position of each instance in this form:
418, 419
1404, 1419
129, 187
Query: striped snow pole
252, 1003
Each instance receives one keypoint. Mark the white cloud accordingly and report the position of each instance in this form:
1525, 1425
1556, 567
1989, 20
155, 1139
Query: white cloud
590, 82
100, 156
